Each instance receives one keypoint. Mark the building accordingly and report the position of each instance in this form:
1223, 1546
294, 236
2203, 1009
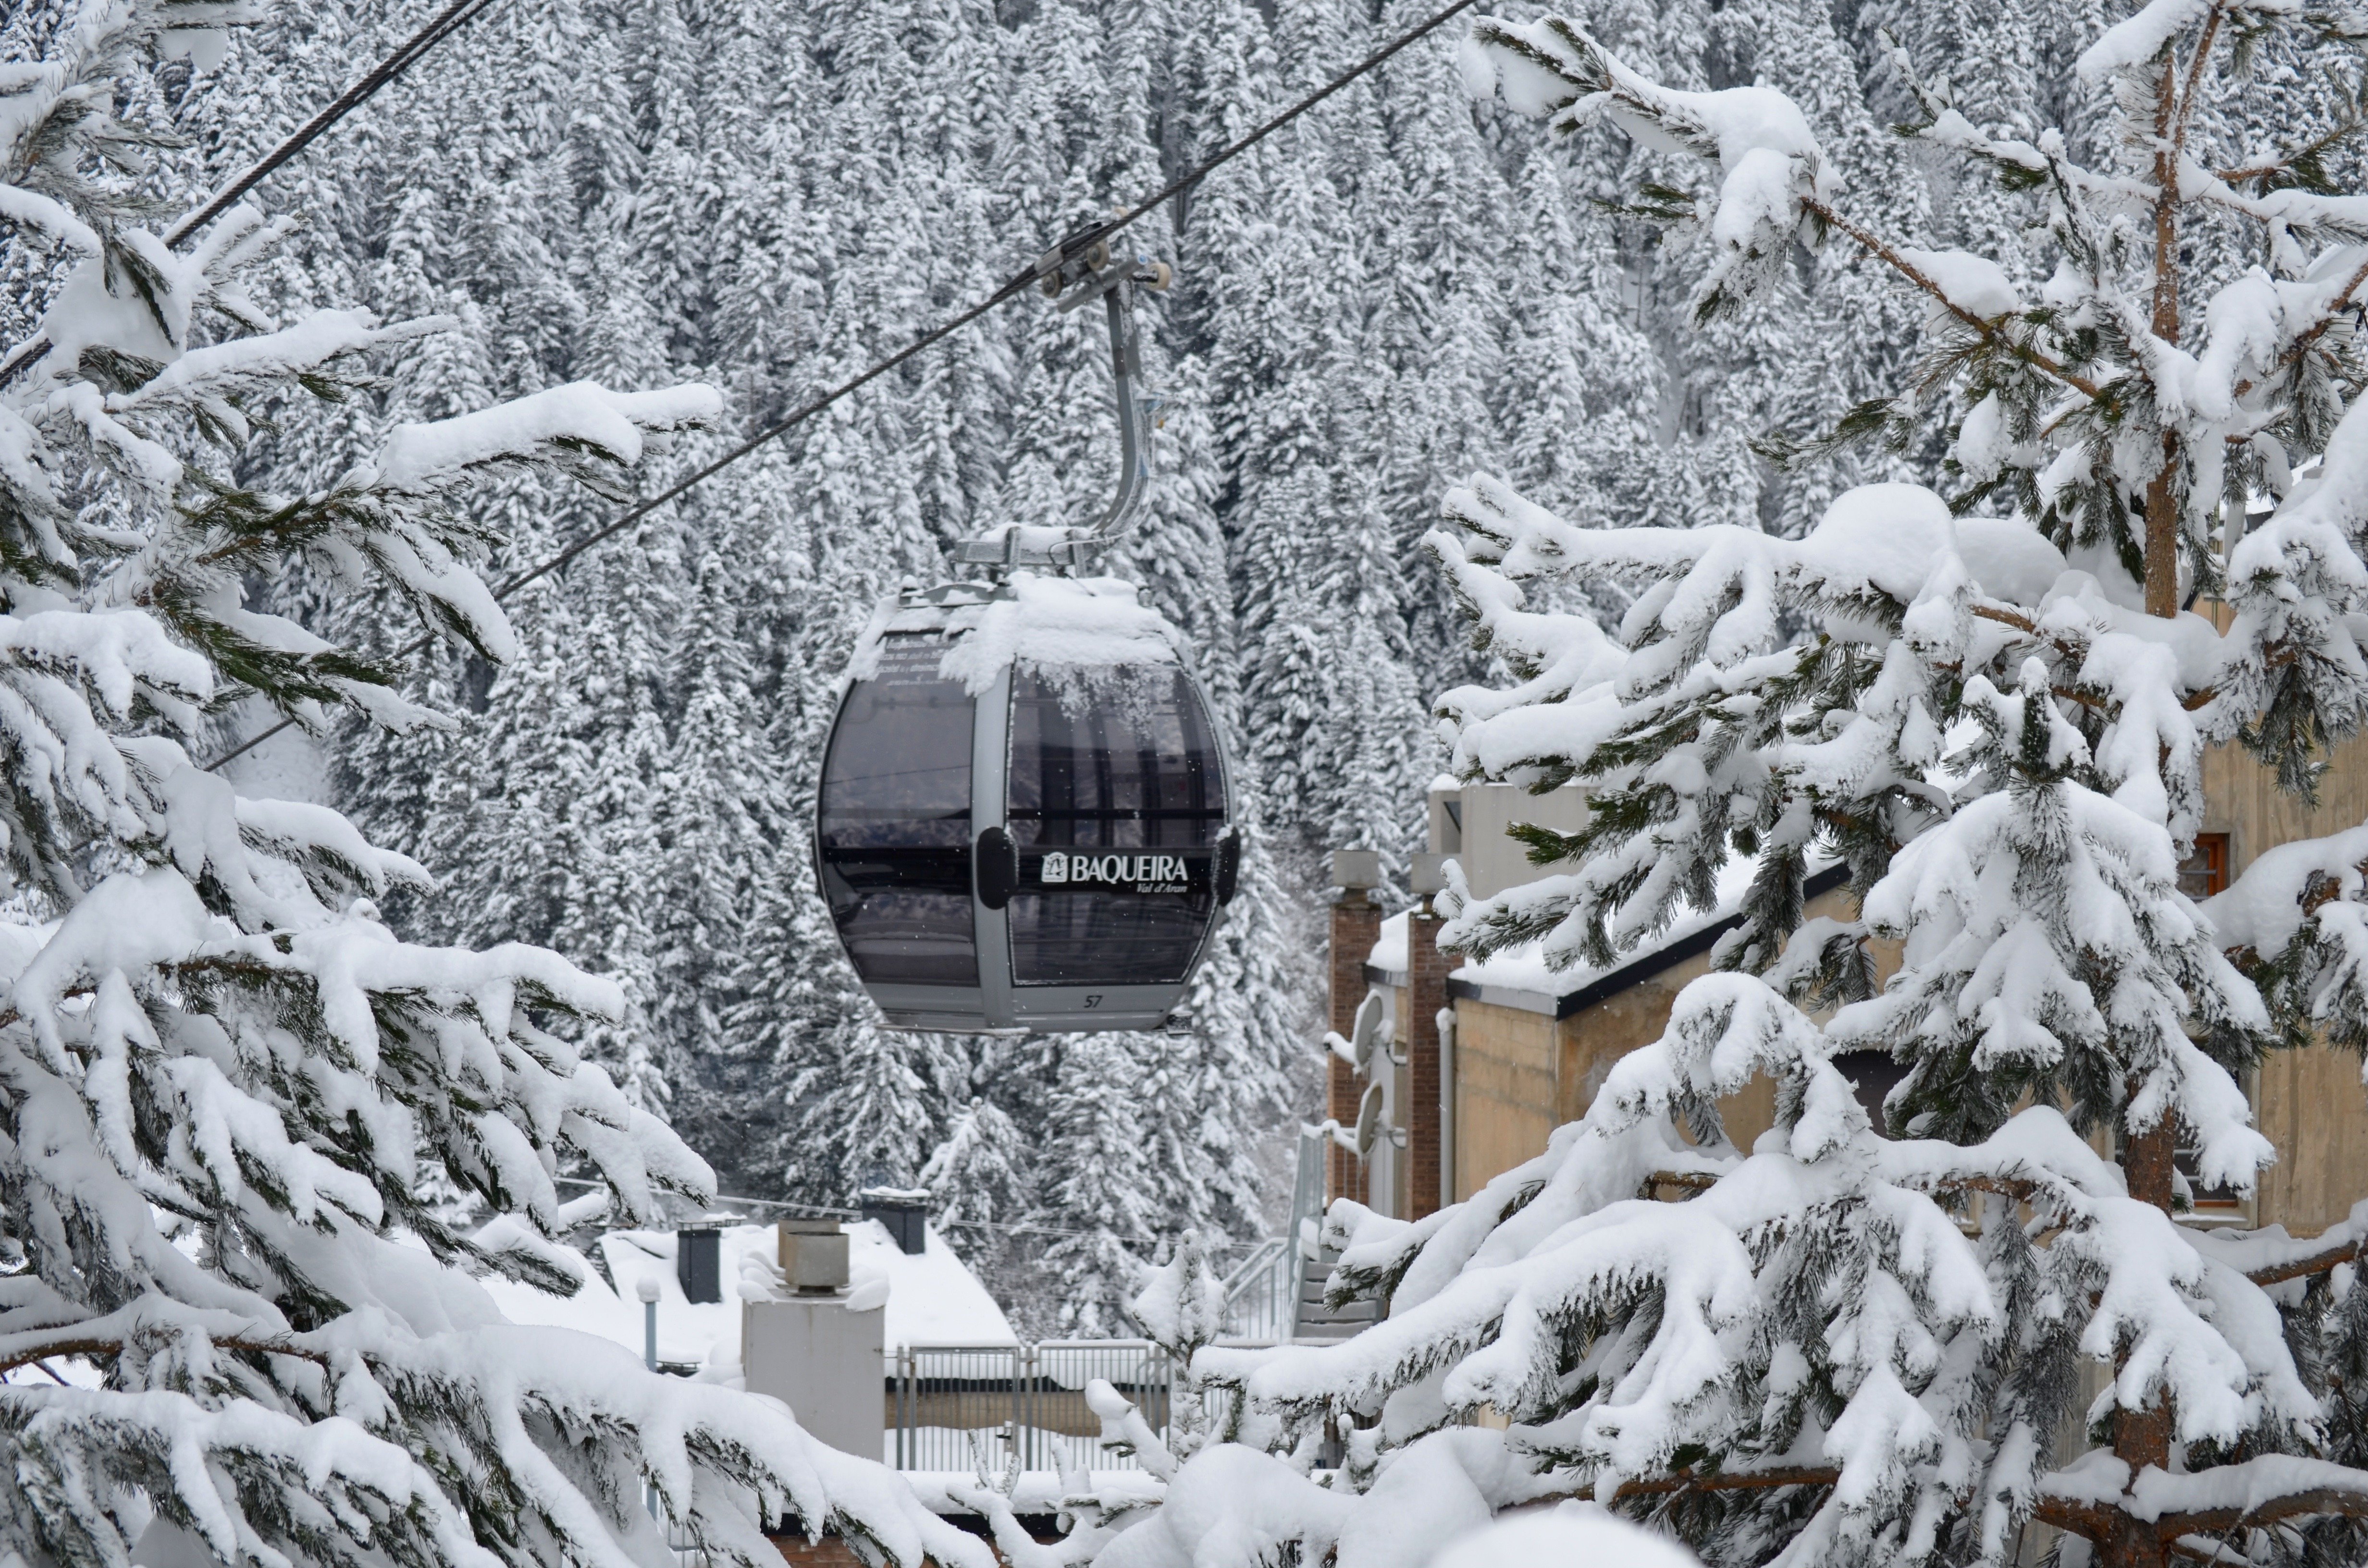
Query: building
913, 1290
1484, 1060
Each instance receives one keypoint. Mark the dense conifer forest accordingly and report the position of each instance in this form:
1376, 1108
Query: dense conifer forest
1398, 290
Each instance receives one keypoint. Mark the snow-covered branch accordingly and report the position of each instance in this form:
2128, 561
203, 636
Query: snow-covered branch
235, 1109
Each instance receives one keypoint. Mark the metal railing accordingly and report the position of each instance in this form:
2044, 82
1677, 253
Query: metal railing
1260, 1293
1265, 1293
951, 1405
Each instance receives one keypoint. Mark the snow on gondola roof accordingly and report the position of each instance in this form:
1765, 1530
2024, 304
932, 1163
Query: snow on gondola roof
1052, 622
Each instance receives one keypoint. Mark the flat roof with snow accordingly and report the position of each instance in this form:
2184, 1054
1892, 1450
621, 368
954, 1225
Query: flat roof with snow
1521, 978
932, 1296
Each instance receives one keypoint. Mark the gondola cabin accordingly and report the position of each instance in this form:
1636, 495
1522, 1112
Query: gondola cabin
1023, 820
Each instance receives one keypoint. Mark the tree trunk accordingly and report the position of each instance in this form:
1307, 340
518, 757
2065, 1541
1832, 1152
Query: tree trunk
2147, 1161
2132, 1544
2162, 493
2142, 1437
2162, 534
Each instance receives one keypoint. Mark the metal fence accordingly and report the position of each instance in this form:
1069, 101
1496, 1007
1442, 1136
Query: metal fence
949, 1405
1266, 1294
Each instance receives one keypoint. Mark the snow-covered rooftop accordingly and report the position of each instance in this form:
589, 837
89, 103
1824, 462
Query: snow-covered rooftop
1052, 623
933, 1297
1524, 969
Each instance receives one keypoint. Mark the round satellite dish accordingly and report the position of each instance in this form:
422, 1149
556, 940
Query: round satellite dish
1370, 1130
1366, 1034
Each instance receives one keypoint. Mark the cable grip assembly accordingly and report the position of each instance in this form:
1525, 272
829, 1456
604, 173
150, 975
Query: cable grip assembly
1076, 272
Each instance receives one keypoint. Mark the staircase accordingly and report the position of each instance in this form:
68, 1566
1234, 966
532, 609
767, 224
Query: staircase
1275, 1296
1320, 1324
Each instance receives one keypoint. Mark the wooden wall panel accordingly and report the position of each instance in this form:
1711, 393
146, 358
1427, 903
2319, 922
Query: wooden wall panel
1520, 1075
2311, 1106
1504, 1090
2242, 799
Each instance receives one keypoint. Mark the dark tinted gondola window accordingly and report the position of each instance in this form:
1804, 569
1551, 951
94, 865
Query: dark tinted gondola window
895, 823
1116, 800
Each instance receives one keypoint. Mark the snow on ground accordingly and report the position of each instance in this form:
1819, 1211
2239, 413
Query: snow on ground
1037, 1491
933, 1297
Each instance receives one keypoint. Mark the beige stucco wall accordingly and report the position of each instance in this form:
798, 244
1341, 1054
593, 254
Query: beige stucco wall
1519, 1073
2309, 1104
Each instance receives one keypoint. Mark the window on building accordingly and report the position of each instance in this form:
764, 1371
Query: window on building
2205, 871
1872, 1074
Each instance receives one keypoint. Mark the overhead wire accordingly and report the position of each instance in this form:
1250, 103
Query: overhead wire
443, 25
447, 22
1017, 282
458, 15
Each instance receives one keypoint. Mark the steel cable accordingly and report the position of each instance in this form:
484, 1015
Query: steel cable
447, 22
444, 23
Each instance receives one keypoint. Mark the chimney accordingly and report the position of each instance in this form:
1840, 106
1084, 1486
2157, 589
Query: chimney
816, 1349
904, 1210
699, 1261
814, 1257
1356, 925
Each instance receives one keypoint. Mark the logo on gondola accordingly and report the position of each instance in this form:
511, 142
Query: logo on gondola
1140, 871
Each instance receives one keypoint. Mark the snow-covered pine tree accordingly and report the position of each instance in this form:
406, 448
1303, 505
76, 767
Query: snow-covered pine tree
977, 1169
1853, 1344
229, 1099
1998, 725
720, 831
1089, 1180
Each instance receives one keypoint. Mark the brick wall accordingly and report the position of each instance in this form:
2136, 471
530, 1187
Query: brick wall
1427, 969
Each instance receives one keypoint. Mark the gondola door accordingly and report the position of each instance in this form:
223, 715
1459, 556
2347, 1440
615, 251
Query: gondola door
1113, 822
893, 843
